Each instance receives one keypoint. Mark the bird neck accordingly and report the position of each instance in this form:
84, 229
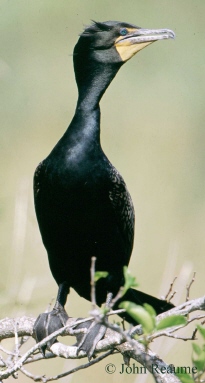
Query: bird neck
84, 130
93, 83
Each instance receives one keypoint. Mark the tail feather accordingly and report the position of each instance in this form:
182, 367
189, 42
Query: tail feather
139, 298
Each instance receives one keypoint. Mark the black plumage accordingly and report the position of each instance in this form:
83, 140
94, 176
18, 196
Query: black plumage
82, 203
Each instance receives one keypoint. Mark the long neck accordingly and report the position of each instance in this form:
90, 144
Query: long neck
85, 127
82, 137
92, 82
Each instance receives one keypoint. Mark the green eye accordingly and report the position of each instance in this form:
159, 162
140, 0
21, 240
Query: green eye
123, 32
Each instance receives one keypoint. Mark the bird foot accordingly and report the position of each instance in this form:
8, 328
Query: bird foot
87, 342
47, 323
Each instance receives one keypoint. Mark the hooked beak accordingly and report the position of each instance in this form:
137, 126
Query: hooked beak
139, 38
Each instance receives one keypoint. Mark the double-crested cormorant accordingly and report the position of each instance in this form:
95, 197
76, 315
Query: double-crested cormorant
82, 203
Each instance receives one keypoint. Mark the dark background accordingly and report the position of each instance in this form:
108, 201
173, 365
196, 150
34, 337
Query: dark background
152, 130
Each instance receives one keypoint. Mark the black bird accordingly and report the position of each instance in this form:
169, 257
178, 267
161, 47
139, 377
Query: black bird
82, 203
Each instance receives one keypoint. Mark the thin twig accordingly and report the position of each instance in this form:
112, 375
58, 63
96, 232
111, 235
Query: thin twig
7, 351
108, 299
92, 282
196, 329
118, 296
170, 331
3, 363
82, 366
35, 358
194, 334
170, 290
36, 378
45, 379
130, 346
172, 296
16, 341
189, 286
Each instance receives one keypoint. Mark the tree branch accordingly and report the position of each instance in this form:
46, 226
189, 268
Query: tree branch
115, 339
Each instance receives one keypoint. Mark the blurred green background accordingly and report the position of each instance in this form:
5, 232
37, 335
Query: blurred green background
152, 130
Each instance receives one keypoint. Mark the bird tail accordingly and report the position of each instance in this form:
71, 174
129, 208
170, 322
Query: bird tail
139, 298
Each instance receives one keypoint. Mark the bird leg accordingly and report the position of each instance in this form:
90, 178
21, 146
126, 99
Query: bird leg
47, 323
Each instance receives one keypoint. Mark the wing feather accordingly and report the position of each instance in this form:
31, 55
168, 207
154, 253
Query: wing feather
123, 207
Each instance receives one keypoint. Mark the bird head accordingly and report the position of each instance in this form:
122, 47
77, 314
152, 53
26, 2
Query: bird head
104, 47
116, 42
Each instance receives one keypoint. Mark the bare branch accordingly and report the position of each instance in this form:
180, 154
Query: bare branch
115, 338
92, 282
170, 291
16, 354
44, 379
25, 327
171, 296
82, 366
183, 309
189, 286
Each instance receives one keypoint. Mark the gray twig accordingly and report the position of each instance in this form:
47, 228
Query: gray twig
92, 282
167, 298
115, 338
189, 286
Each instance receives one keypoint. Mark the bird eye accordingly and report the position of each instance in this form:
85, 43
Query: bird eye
123, 32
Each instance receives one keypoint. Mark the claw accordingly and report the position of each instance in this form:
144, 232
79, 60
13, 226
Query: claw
47, 323
87, 342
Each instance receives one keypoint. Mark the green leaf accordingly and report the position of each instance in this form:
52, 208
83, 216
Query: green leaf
197, 349
100, 274
184, 377
199, 361
129, 280
201, 330
150, 309
171, 321
140, 315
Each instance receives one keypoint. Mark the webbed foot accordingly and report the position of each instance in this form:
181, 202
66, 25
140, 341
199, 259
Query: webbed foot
87, 342
47, 323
